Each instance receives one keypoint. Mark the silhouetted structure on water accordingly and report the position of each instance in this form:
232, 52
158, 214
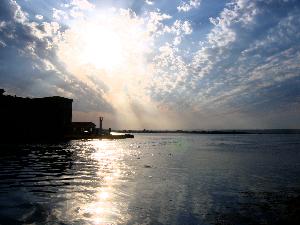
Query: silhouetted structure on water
83, 128
28, 119
44, 119
100, 125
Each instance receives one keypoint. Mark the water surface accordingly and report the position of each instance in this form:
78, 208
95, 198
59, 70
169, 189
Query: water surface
153, 179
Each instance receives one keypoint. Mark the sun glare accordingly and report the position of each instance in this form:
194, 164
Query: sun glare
110, 52
101, 48
112, 45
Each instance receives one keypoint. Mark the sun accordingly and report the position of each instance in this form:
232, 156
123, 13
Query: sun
110, 43
101, 47
108, 53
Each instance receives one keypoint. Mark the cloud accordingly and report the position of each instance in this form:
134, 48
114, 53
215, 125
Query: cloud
149, 2
155, 24
82, 4
156, 66
187, 6
213, 82
39, 17
59, 14
18, 14
31, 45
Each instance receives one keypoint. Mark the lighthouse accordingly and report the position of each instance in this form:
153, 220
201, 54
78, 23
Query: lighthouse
100, 125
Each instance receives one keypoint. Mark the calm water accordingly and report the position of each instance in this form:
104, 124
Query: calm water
153, 179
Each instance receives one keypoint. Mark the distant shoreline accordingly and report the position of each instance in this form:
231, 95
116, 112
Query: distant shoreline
258, 131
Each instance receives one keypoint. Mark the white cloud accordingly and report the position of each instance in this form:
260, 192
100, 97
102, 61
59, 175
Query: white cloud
170, 71
3, 24
187, 6
82, 4
78, 7
222, 35
19, 15
75, 13
46, 32
59, 14
149, 2
240, 12
155, 24
285, 32
2, 44
264, 64
179, 27
177, 40
39, 17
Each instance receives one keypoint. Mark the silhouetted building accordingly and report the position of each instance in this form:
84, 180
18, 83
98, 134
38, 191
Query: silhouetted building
46, 118
83, 128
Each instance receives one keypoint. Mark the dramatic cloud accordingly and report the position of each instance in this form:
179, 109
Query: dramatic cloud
148, 64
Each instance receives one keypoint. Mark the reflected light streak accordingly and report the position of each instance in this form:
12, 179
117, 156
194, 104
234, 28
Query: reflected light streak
108, 207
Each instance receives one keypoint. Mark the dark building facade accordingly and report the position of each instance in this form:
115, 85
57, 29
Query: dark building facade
46, 118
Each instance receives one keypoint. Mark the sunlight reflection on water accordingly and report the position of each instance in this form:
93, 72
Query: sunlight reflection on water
108, 207
95, 194
151, 179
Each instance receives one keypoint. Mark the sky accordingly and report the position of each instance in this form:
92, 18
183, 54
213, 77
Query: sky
158, 64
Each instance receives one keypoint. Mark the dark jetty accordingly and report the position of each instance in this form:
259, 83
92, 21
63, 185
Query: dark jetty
98, 136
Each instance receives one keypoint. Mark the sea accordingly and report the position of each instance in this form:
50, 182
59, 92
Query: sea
206, 179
